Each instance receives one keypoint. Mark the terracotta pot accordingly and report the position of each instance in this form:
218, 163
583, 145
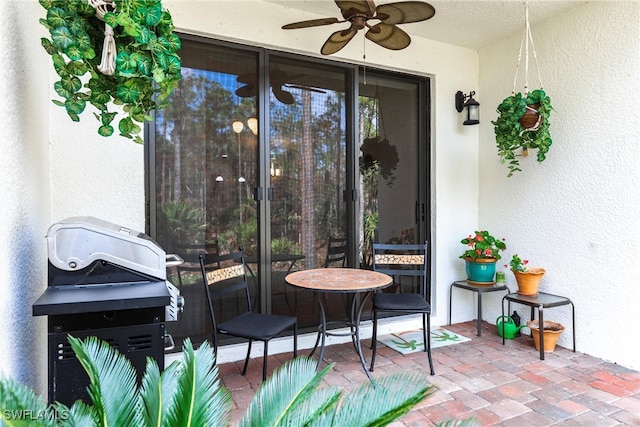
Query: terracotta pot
550, 334
531, 117
529, 281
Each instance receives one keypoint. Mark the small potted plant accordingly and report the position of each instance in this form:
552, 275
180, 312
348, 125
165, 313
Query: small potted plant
481, 254
523, 123
528, 278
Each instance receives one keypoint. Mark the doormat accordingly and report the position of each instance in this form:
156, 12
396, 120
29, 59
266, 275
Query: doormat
411, 341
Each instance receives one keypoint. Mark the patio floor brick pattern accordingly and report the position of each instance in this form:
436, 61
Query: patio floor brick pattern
497, 385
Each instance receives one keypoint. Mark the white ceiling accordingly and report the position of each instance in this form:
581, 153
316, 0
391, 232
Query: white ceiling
468, 23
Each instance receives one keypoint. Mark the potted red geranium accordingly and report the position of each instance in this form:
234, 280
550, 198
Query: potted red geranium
481, 255
528, 278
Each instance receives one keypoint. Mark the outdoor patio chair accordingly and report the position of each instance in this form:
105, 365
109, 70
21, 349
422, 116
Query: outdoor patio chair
336, 252
225, 276
191, 255
402, 261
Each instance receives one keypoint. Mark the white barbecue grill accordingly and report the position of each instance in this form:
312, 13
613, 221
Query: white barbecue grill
107, 281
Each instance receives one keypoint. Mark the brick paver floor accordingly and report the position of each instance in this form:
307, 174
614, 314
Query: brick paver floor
497, 385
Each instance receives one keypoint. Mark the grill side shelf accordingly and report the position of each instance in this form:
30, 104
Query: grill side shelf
72, 299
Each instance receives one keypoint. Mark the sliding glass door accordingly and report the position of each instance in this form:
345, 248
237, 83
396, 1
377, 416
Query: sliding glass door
282, 156
205, 170
393, 173
307, 162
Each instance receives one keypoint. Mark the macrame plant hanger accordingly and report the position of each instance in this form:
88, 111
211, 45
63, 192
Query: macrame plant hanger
379, 114
107, 64
526, 39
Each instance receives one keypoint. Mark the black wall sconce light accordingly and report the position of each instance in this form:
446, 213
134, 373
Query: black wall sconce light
472, 106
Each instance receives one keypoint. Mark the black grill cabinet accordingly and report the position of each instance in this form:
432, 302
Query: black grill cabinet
107, 281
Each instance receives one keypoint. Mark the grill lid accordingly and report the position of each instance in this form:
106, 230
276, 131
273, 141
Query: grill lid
75, 243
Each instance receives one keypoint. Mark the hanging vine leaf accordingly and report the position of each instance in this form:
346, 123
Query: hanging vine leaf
56, 17
76, 106
105, 130
128, 93
62, 37
147, 67
71, 83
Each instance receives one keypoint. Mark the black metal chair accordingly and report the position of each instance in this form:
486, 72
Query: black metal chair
191, 255
402, 261
336, 252
225, 275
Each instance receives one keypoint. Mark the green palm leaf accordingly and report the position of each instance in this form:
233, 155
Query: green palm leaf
289, 396
151, 393
18, 403
380, 402
200, 399
158, 392
81, 415
112, 386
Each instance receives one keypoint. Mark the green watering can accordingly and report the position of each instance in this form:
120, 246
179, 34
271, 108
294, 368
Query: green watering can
508, 328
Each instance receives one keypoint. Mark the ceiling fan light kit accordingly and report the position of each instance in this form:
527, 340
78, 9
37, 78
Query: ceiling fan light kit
358, 13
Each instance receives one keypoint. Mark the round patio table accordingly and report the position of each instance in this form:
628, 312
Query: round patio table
359, 283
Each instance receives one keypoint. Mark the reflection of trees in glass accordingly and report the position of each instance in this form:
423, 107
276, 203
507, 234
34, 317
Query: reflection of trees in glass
378, 159
178, 222
367, 108
308, 141
194, 145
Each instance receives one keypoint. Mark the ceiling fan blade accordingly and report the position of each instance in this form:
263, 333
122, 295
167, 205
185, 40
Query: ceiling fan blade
404, 12
337, 41
247, 91
311, 23
348, 8
282, 95
388, 36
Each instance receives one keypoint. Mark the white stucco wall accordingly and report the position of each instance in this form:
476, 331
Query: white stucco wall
575, 214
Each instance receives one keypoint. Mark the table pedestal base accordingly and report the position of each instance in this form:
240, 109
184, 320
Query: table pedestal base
353, 324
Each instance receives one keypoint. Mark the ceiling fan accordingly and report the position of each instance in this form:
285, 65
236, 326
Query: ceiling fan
359, 12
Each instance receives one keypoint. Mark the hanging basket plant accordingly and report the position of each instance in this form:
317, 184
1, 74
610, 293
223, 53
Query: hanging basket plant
523, 121
379, 156
523, 124
112, 52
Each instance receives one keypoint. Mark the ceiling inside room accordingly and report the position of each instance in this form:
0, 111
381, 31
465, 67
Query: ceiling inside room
471, 23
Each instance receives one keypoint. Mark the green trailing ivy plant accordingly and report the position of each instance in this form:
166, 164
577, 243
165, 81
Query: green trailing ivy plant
512, 136
147, 66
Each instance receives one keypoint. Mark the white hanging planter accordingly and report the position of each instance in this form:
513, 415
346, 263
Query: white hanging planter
523, 122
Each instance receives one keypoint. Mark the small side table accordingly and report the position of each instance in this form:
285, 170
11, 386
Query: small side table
541, 301
479, 289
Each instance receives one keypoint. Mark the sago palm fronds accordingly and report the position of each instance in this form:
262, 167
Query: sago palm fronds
189, 393
290, 397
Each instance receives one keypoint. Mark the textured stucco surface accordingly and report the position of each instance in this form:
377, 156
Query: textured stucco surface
25, 201
575, 214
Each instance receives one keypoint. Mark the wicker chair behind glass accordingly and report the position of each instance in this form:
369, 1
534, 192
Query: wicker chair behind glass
403, 262
225, 275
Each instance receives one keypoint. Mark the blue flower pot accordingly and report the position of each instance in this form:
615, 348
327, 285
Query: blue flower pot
481, 270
